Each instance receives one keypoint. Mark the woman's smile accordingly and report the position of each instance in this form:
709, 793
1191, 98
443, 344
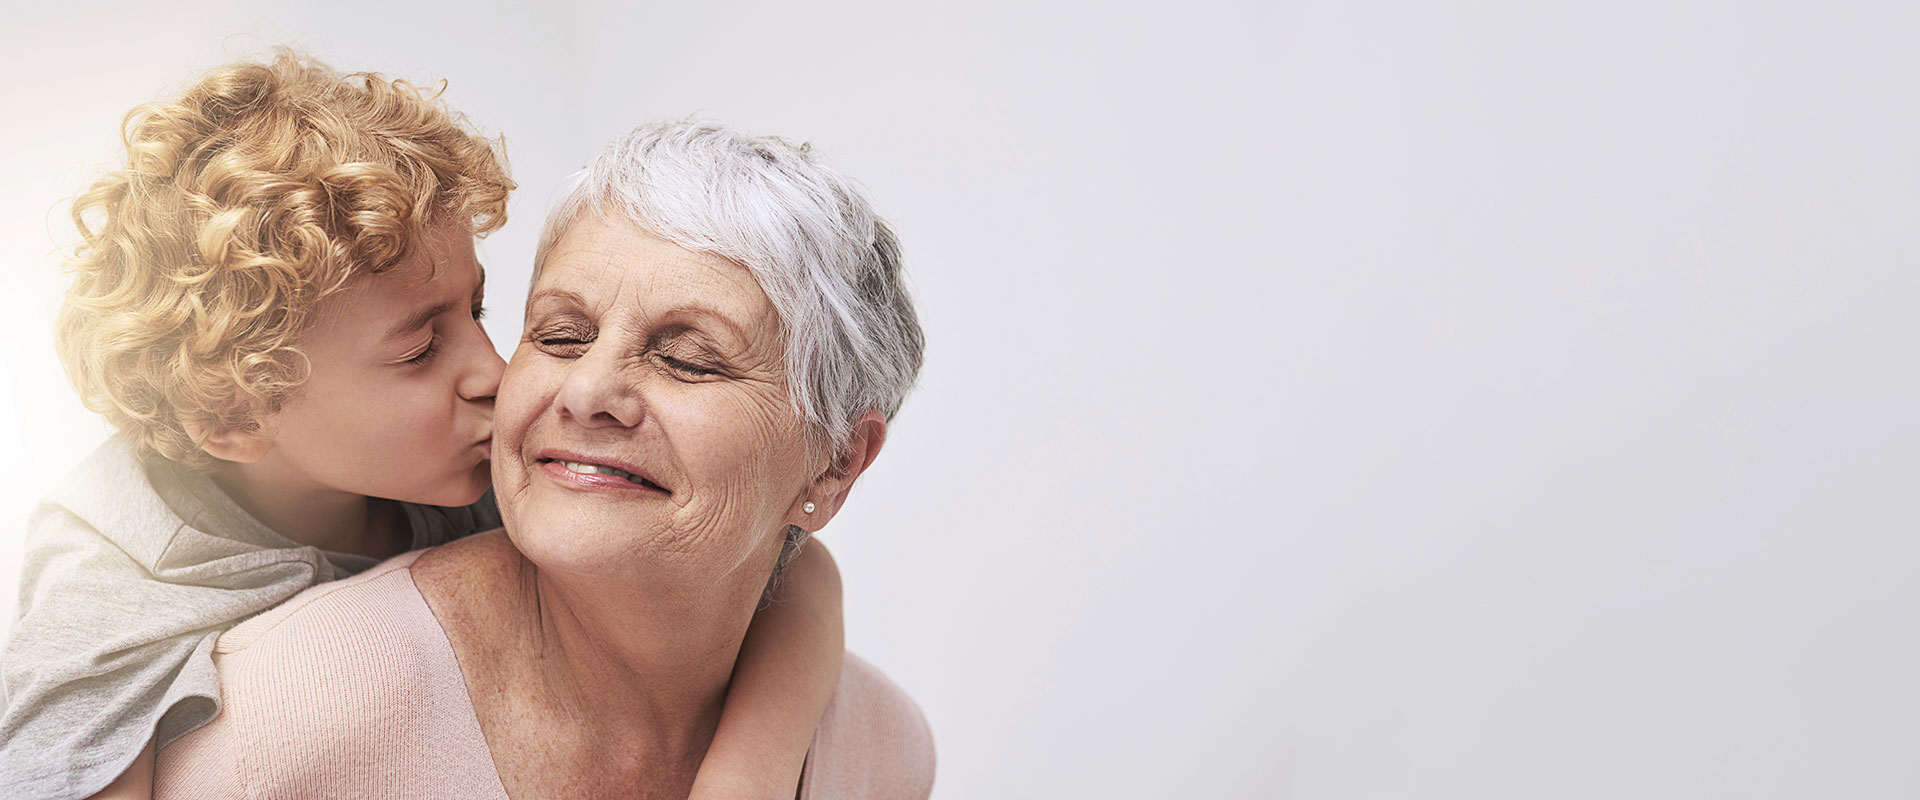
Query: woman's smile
593, 472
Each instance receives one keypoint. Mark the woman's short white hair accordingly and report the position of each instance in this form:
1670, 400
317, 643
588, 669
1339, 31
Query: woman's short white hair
809, 235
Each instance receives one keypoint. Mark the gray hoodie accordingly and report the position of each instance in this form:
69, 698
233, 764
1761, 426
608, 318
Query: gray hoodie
132, 570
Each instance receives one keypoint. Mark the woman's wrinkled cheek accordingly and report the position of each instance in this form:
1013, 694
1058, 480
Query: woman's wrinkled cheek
525, 389
745, 451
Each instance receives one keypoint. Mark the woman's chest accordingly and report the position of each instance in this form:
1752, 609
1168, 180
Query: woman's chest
550, 732
543, 748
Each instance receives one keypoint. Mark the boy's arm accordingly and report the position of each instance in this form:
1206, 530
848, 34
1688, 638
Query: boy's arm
134, 784
787, 670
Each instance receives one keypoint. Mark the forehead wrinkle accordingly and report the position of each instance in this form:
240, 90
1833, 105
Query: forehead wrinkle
714, 287
558, 280
636, 285
603, 300
557, 294
611, 304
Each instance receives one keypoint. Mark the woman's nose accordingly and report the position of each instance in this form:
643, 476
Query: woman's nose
598, 393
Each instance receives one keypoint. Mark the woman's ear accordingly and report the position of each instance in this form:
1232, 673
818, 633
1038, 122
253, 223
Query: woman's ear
238, 445
829, 489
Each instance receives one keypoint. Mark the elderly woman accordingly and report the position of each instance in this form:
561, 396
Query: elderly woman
715, 342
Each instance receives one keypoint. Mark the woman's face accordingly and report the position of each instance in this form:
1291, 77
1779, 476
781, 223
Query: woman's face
644, 417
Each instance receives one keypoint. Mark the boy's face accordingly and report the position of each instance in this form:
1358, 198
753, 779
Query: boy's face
399, 400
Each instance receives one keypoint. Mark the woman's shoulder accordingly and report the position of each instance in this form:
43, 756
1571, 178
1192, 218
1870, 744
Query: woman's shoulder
481, 560
349, 684
468, 581
872, 741
381, 590
346, 651
389, 613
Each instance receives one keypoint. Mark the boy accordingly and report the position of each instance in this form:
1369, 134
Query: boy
276, 304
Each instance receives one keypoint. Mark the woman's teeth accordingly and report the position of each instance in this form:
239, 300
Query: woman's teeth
597, 469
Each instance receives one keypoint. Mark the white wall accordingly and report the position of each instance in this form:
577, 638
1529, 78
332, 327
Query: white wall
1323, 400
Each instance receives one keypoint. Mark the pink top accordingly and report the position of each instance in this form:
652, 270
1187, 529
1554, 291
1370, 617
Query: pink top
351, 689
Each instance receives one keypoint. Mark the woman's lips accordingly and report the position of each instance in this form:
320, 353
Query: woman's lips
589, 473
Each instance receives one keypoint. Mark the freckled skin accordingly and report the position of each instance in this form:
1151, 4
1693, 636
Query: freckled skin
663, 358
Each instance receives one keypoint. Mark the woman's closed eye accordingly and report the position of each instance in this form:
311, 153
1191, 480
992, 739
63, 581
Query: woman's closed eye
686, 367
562, 341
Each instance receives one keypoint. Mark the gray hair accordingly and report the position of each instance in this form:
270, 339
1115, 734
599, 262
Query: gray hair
808, 234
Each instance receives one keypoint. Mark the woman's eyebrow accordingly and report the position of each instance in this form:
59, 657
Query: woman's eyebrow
557, 294
723, 321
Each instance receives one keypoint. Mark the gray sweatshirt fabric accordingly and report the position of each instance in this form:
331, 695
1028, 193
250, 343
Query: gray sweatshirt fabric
132, 570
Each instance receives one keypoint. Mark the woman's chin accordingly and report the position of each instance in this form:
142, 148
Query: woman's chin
578, 544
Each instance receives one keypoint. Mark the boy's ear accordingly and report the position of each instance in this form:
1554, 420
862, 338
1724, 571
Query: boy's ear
829, 489
239, 445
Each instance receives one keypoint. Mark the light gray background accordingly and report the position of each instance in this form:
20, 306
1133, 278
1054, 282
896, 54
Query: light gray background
1323, 400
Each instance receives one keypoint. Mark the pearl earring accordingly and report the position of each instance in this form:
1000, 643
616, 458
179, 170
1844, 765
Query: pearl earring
808, 507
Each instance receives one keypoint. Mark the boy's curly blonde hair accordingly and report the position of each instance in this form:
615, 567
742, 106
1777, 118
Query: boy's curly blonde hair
261, 190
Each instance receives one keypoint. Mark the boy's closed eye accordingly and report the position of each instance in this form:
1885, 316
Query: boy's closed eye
427, 353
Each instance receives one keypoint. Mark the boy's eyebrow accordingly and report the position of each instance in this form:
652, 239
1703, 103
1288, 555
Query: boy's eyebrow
420, 320
417, 321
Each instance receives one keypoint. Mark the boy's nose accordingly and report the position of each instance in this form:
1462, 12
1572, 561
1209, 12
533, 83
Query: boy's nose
482, 379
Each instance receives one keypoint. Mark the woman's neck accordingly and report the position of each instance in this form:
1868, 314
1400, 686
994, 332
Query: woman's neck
585, 685
329, 519
638, 652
